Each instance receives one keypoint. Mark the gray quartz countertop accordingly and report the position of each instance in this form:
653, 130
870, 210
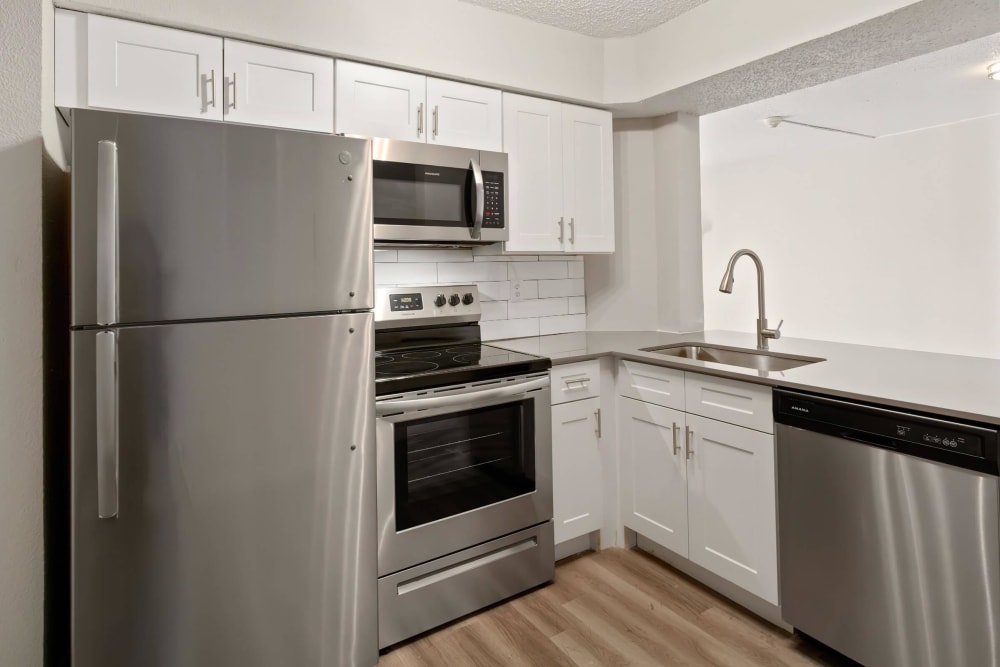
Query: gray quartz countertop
944, 384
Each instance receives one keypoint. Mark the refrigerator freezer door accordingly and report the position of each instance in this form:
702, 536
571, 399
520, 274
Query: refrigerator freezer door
245, 532
217, 221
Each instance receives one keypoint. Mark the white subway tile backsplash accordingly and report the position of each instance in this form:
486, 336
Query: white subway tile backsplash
406, 274
494, 291
549, 296
435, 255
550, 288
537, 308
563, 324
538, 270
509, 329
470, 272
493, 310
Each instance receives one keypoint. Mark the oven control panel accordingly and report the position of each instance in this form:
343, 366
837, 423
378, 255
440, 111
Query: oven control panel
493, 207
430, 305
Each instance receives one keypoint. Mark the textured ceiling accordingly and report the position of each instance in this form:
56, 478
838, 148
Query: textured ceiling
597, 18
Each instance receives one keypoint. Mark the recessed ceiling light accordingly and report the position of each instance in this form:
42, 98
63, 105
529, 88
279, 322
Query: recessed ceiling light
993, 71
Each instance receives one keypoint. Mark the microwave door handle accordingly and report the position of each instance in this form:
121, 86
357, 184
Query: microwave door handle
459, 399
479, 201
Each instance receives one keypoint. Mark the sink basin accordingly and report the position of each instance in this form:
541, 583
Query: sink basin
734, 356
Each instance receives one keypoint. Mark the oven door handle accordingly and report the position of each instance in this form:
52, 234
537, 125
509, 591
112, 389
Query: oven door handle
430, 402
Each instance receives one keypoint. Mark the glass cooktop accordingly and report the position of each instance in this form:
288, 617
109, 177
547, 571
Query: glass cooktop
419, 368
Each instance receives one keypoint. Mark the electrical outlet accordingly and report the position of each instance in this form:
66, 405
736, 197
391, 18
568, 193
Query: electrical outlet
515, 291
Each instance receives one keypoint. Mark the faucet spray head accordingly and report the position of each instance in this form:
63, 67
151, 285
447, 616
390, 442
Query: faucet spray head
726, 285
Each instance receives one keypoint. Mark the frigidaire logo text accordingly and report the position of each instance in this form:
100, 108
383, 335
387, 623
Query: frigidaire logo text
431, 173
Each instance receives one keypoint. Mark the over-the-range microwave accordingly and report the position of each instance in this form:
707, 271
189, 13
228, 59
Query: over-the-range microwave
437, 195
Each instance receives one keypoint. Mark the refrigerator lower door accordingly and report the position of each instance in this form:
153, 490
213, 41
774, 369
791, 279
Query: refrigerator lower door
177, 219
238, 479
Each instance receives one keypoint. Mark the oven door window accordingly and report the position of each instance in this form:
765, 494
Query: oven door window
415, 194
453, 463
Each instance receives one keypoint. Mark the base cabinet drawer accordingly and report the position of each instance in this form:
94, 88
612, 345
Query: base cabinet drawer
652, 384
574, 382
732, 401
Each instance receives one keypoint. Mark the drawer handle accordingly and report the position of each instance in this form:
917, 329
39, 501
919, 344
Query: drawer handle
581, 383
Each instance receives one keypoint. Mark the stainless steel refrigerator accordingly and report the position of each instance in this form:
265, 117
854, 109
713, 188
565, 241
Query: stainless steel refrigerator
222, 396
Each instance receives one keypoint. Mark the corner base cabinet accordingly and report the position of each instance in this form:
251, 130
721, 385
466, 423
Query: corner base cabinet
702, 487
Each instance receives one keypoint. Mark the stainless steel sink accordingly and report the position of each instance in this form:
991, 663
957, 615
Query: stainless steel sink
734, 356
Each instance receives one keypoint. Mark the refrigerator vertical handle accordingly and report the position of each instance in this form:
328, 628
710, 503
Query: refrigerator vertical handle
479, 203
107, 232
107, 425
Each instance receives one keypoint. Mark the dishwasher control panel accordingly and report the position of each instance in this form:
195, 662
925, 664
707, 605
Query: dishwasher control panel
886, 427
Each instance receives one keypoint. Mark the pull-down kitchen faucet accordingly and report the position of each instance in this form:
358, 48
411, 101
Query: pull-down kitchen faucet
763, 333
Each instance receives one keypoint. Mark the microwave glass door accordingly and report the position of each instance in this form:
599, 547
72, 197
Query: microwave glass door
460, 461
422, 195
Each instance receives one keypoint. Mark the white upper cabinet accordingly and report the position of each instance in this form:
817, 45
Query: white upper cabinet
588, 180
146, 68
465, 116
561, 177
532, 138
380, 102
279, 88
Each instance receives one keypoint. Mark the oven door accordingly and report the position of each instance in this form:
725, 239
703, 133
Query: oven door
437, 195
461, 467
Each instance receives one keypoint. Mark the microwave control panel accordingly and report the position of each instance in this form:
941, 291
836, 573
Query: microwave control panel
493, 207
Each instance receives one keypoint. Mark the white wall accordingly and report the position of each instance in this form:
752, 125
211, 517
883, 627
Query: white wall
522, 295
653, 280
20, 334
892, 242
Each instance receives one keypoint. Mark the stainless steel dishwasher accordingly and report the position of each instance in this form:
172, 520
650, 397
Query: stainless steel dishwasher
888, 532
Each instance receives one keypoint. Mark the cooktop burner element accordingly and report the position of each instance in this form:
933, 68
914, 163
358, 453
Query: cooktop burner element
422, 345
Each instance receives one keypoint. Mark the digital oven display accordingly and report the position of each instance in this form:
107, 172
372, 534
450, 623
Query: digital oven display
406, 302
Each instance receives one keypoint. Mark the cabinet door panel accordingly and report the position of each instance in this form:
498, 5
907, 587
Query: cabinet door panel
379, 102
277, 87
151, 69
532, 139
732, 505
653, 473
464, 115
589, 180
576, 469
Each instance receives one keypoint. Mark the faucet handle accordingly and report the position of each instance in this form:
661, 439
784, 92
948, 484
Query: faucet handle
775, 333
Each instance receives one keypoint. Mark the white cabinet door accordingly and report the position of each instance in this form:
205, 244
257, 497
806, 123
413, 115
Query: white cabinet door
464, 115
733, 521
653, 473
588, 179
380, 102
532, 139
147, 68
277, 87
576, 468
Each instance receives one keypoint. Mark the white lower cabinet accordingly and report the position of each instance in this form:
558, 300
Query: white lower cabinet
576, 468
703, 488
732, 522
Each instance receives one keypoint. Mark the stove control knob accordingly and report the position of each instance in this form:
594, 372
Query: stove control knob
439, 300
454, 299
468, 298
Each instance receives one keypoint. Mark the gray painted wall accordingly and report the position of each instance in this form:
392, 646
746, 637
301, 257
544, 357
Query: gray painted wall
21, 333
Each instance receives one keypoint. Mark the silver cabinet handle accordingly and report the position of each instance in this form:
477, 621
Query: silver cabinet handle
435, 115
477, 176
581, 382
689, 442
677, 448
210, 84
461, 398
107, 232
107, 424
562, 230
572, 230
597, 415
233, 96
420, 119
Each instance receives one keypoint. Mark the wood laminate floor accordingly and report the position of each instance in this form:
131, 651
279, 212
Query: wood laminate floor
614, 607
